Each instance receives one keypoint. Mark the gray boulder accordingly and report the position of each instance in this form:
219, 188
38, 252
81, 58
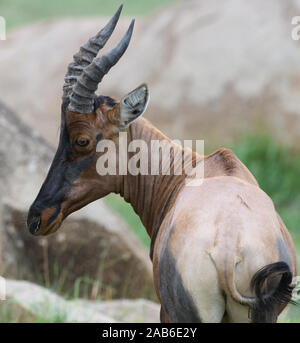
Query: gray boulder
29, 302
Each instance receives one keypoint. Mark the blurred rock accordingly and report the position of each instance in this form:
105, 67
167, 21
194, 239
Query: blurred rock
36, 303
215, 69
31, 302
94, 253
127, 311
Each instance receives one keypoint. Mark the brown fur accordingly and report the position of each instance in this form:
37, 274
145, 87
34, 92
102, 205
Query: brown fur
164, 201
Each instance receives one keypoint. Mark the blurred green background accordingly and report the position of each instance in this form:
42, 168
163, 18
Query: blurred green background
276, 167
21, 12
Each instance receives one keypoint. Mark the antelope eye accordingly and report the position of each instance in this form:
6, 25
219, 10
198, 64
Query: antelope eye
82, 142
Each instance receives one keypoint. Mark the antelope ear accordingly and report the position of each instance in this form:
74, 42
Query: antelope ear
134, 105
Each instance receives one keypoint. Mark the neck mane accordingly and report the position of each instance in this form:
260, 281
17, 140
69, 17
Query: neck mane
152, 196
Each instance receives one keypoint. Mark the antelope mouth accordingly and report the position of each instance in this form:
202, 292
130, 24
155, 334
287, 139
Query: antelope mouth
34, 224
43, 225
49, 229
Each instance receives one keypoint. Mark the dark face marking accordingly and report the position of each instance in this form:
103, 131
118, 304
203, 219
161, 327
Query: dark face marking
176, 300
62, 173
72, 181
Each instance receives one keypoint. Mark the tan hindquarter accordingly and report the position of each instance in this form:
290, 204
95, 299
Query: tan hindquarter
219, 233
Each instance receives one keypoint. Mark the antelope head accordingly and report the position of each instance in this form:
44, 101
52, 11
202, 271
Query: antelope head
86, 119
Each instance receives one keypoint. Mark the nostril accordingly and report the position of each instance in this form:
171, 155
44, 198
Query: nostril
34, 223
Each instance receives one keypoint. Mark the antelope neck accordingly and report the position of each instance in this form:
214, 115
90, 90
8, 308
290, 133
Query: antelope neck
151, 196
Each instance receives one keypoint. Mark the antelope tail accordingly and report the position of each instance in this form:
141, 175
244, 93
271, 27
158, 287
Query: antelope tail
272, 287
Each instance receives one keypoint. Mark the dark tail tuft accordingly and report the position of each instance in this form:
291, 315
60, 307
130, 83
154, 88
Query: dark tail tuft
272, 287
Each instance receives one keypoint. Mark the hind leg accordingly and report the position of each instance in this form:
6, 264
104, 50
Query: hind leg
163, 316
211, 309
237, 313
205, 290
207, 296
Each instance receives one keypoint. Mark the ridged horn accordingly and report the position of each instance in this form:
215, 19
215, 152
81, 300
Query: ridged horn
87, 53
82, 97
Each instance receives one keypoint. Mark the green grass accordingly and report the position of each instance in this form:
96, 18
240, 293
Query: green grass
126, 211
20, 12
44, 312
276, 167
49, 312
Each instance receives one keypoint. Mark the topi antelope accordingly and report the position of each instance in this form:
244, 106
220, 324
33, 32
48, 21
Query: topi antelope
220, 251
